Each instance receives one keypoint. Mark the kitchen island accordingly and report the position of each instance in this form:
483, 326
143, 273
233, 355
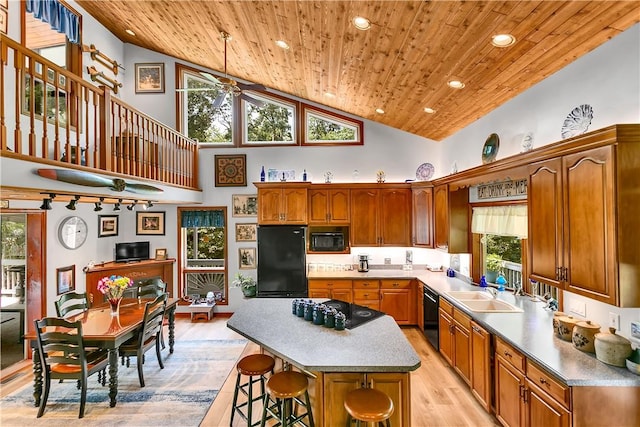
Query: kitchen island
375, 354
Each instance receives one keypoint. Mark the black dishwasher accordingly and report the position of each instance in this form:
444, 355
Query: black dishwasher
431, 316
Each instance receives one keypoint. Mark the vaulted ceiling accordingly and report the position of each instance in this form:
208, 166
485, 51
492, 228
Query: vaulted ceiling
401, 64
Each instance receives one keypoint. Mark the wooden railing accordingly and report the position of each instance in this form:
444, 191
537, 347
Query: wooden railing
48, 114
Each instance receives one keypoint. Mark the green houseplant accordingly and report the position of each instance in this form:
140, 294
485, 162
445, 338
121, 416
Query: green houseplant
247, 284
494, 265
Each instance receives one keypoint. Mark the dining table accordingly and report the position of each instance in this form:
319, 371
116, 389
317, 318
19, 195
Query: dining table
101, 329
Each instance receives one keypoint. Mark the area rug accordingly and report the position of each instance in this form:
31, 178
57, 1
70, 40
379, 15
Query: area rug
178, 395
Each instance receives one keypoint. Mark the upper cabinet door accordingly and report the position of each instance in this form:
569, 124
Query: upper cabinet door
364, 217
545, 221
269, 205
441, 216
329, 206
422, 234
395, 217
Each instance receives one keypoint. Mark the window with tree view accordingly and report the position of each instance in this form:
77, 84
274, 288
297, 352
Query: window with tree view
321, 128
205, 121
271, 123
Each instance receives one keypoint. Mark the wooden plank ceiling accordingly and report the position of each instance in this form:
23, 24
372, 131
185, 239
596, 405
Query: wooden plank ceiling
402, 64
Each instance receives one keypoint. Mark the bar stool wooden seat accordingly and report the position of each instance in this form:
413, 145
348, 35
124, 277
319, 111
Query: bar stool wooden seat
368, 405
254, 366
287, 387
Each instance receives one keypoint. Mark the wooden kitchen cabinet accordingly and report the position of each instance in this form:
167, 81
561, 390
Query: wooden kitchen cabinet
445, 329
422, 231
367, 293
282, 203
510, 385
329, 206
582, 226
381, 216
397, 299
455, 339
331, 289
481, 373
394, 384
547, 400
451, 219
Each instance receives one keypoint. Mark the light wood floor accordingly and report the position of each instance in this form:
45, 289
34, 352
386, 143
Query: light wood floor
438, 396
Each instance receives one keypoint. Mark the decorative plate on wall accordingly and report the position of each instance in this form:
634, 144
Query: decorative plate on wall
578, 121
424, 172
490, 149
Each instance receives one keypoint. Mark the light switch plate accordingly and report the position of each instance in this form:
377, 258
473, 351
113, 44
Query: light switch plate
614, 320
579, 308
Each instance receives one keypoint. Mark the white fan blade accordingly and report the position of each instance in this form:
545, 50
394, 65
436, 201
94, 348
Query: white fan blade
210, 77
253, 101
217, 103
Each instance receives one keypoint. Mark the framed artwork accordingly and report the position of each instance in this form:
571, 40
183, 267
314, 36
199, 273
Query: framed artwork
66, 279
150, 223
3, 21
107, 225
231, 170
245, 205
246, 232
150, 78
247, 257
161, 254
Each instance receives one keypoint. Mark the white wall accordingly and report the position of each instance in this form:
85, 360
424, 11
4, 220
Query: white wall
608, 79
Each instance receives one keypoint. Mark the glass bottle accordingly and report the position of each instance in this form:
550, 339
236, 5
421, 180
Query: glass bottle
262, 175
304, 175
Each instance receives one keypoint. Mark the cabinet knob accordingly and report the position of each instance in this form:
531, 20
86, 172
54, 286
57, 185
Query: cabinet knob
544, 382
507, 354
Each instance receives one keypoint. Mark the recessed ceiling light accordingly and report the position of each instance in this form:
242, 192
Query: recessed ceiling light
379, 111
455, 84
429, 110
329, 95
130, 32
283, 44
503, 40
361, 23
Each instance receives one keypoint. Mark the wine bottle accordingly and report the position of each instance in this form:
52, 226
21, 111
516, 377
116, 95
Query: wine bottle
262, 176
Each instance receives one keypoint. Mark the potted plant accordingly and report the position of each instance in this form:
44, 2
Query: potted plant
247, 284
494, 265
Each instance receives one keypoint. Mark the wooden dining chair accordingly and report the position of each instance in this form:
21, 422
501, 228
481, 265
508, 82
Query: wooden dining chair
62, 355
152, 288
72, 303
148, 336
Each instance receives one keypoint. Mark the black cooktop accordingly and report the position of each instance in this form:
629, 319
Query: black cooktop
355, 314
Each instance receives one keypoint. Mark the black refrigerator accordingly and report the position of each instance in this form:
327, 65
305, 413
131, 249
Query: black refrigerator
282, 270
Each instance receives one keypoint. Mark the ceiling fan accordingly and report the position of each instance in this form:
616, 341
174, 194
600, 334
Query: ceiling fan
226, 85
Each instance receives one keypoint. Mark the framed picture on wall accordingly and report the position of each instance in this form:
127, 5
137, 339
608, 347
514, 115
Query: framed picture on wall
247, 258
150, 223
66, 279
245, 205
149, 78
107, 225
231, 170
246, 232
4, 18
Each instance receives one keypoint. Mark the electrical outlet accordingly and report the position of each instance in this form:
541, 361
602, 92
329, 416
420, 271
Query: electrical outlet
614, 320
387, 261
579, 308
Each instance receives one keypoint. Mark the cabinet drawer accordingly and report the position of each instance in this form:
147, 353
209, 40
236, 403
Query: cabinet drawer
372, 304
395, 284
366, 294
330, 284
366, 284
549, 384
510, 354
462, 319
446, 306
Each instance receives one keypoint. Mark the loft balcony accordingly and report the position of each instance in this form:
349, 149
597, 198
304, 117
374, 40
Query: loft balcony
55, 119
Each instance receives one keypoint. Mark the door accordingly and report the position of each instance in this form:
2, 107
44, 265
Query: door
422, 217
441, 216
509, 388
395, 217
364, 217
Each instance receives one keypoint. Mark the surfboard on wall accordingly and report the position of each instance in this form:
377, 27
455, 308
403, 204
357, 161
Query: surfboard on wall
91, 180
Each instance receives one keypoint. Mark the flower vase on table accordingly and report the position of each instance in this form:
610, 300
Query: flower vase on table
113, 287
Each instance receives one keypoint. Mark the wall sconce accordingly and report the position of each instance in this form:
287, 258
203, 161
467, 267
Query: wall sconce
132, 205
46, 202
98, 205
116, 206
72, 204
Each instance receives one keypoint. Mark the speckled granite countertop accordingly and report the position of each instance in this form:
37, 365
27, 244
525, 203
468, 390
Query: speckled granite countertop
531, 331
376, 346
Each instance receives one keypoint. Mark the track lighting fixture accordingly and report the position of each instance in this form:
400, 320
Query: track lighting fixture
116, 205
98, 205
149, 204
46, 202
132, 205
72, 204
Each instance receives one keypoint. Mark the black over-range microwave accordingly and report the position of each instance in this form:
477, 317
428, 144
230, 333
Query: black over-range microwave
327, 242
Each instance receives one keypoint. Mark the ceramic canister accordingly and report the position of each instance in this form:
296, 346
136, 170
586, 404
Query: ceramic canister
584, 336
612, 349
565, 327
556, 324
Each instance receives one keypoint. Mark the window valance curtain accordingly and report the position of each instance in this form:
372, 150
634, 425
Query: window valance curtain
59, 17
212, 218
508, 220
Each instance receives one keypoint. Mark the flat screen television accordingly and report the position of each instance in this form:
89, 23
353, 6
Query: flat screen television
132, 251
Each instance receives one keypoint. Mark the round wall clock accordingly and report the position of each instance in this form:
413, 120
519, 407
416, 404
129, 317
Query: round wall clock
72, 232
490, 149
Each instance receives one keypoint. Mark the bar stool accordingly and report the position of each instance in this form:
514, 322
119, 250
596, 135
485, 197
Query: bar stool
255, 366
286, 387
369, 405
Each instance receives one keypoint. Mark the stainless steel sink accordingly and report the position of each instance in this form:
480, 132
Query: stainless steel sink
483, 302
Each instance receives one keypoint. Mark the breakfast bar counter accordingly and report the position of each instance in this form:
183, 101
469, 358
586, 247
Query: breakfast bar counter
375, 354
